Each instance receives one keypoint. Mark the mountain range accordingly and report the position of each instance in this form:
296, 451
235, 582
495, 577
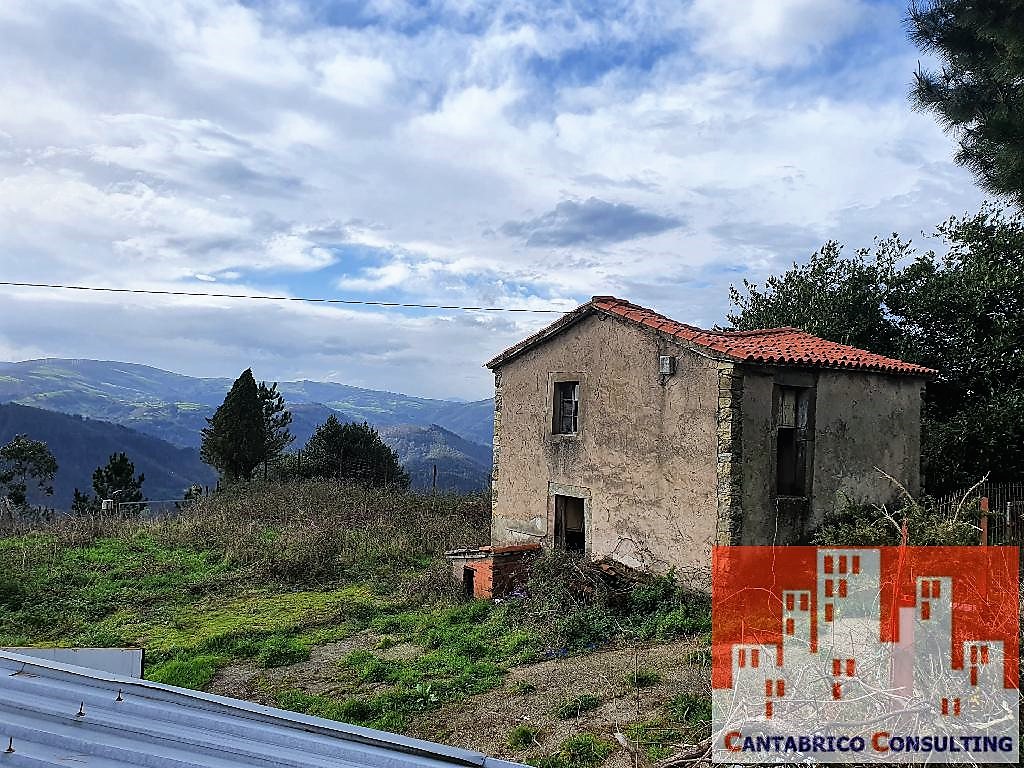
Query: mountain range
80, 445
173, 408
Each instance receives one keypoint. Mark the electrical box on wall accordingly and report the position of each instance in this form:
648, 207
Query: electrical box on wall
666, 365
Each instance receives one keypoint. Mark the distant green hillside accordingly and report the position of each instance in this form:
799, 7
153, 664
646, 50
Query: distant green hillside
174, 407
80, 445
461, 465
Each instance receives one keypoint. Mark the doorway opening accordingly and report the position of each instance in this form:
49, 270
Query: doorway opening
469, 582
570, 527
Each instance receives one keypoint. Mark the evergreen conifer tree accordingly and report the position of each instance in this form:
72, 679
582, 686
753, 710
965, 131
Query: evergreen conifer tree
978, 93
276, 420
234, 440
116, 481
352, 452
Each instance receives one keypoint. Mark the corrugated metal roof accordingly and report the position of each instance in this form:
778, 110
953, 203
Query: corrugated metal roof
117, 661
61, 715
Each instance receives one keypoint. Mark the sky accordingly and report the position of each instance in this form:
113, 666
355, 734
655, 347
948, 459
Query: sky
512, 154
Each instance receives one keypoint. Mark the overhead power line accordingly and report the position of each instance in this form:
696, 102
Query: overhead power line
151, 292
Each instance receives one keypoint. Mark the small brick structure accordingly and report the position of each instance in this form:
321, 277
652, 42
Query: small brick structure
488, 572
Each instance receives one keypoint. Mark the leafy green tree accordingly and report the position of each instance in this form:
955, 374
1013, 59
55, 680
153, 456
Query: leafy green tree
234, 440
807, 296
116, 481
978, 93
276, 420
960, 312
24, 463
349, 452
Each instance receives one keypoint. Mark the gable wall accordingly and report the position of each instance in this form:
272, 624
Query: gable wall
644, 459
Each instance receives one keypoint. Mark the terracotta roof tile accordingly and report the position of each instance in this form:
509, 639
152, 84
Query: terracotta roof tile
767, 346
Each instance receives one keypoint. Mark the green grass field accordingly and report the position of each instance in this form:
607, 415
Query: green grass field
237, 582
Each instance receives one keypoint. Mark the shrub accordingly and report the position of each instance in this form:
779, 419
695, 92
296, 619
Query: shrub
577, 706
349, 710
570, 606
522, 688
522, 737
691, 708
654, 737
583, 750
928, 524
643, 678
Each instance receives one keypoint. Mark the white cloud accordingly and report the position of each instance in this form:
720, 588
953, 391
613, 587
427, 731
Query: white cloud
772, 33
161, 144
293, 252
358, 80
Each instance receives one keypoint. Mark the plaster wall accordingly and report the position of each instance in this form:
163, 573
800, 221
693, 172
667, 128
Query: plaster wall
643, 460
861, 421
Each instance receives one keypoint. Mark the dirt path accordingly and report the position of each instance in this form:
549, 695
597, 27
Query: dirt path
318, 675
531, 695
484, 722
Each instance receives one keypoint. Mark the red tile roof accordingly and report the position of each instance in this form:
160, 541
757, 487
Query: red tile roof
770, 346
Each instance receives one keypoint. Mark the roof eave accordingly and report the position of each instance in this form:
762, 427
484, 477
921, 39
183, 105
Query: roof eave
725, 355
927, 374
561, 324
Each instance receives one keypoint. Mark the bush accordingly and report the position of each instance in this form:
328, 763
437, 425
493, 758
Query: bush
692, 709
654, 737
577, 706
571, 606
583, 750
643, 678
522, 688
522, 737
928, 524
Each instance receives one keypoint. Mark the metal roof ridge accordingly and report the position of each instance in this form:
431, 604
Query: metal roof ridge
303, 721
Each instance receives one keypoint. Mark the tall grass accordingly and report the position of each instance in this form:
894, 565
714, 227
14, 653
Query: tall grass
182, 583
309, 532
269, 572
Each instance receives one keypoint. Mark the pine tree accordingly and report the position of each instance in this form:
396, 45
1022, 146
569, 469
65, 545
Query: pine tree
978, 95
276, 420
116, 481
352, 452
234, 442
84, 504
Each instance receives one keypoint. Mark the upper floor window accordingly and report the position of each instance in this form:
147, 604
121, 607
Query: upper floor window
567, 407
792, 423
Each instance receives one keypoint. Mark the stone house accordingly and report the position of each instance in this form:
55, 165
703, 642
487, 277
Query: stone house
621, 433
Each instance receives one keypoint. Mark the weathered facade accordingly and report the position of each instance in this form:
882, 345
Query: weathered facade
622, 433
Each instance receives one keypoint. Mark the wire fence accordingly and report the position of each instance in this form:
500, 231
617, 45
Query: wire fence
997, 507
